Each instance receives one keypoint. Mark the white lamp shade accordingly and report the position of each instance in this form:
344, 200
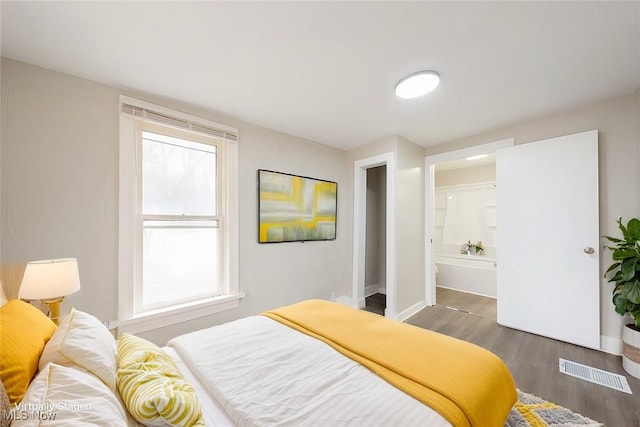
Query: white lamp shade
50, 278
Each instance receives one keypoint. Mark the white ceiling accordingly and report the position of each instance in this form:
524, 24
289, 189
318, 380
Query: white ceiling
326, 71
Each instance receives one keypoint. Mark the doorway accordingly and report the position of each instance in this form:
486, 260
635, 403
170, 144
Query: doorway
538, 272
381, 169
464, 236
375, 289
458, 264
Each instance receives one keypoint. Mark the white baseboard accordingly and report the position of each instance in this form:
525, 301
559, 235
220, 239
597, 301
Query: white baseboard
361, 303
414, 309
374, 289
611, 345
345, 300
370, 290
468, 292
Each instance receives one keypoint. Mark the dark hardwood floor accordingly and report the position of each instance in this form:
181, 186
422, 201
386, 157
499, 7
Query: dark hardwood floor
376, 303
533, 362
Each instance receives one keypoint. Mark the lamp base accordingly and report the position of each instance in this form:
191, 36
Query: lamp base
54, 308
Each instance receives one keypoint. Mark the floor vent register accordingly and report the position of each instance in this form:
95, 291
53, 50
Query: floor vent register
595, 375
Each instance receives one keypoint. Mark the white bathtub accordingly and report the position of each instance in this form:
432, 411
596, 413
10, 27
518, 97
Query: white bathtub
469, 273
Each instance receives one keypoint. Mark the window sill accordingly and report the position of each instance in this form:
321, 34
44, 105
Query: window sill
182, 313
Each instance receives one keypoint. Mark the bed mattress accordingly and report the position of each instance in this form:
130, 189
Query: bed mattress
259, 372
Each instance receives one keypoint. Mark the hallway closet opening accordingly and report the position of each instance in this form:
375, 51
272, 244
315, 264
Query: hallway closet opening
376, 245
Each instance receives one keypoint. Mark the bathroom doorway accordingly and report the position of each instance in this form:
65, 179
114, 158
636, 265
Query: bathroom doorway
464, 235
460, 219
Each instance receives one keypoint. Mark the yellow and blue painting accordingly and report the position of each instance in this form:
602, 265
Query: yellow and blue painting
294, 208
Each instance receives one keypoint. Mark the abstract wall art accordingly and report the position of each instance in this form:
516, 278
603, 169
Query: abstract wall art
293, 208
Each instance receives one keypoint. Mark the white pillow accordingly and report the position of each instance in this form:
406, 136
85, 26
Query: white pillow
82, 340
65, 396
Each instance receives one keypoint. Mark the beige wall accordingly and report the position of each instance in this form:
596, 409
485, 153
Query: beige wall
618, 127
471, 175
59, 175
386, 145
409, 215
410, 225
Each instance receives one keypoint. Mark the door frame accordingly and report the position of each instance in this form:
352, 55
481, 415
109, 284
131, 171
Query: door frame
429, 209
360, 229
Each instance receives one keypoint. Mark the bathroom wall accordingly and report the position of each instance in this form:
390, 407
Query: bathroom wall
465, 209
469, 175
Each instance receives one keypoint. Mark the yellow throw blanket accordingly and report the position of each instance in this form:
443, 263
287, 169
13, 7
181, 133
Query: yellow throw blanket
466, 384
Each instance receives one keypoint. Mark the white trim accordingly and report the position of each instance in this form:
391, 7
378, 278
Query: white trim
475, 185
466, 292
475, 150
127, 190
232, 224
359, 229
163, 318
429, 224
371, 290
345, 300
611, 345
411, 311
176, 114
127, 224
429, 211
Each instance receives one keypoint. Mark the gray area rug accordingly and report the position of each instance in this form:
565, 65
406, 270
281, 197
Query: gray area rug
531, 411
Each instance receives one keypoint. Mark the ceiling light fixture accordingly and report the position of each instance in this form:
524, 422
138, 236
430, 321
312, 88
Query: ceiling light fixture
479, 156
417, 84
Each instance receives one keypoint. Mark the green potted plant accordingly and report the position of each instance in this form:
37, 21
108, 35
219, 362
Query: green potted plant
625, 275
472, 248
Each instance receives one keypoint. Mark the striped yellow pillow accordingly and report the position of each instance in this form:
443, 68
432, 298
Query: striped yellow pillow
152, 387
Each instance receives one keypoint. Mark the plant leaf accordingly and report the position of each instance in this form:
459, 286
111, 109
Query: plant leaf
622, 228
613, 239
633, 229
613, 267
620, 254
635, 312
616, 277
628, 268
631, 292
620, 304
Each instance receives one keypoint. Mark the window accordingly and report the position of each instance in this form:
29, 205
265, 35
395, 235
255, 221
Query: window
178, 217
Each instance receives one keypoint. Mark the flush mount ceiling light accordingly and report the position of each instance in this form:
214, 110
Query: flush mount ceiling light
417, 84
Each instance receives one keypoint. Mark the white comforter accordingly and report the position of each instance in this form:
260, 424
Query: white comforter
266, 374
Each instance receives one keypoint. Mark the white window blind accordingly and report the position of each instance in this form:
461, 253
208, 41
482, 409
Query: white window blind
178, 122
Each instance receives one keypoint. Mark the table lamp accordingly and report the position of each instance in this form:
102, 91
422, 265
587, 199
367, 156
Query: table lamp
50, 281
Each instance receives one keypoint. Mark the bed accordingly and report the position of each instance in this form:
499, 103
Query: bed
314, 363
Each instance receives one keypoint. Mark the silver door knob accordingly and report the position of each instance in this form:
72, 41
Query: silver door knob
588, 250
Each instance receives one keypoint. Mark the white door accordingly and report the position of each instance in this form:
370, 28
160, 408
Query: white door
548, 238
